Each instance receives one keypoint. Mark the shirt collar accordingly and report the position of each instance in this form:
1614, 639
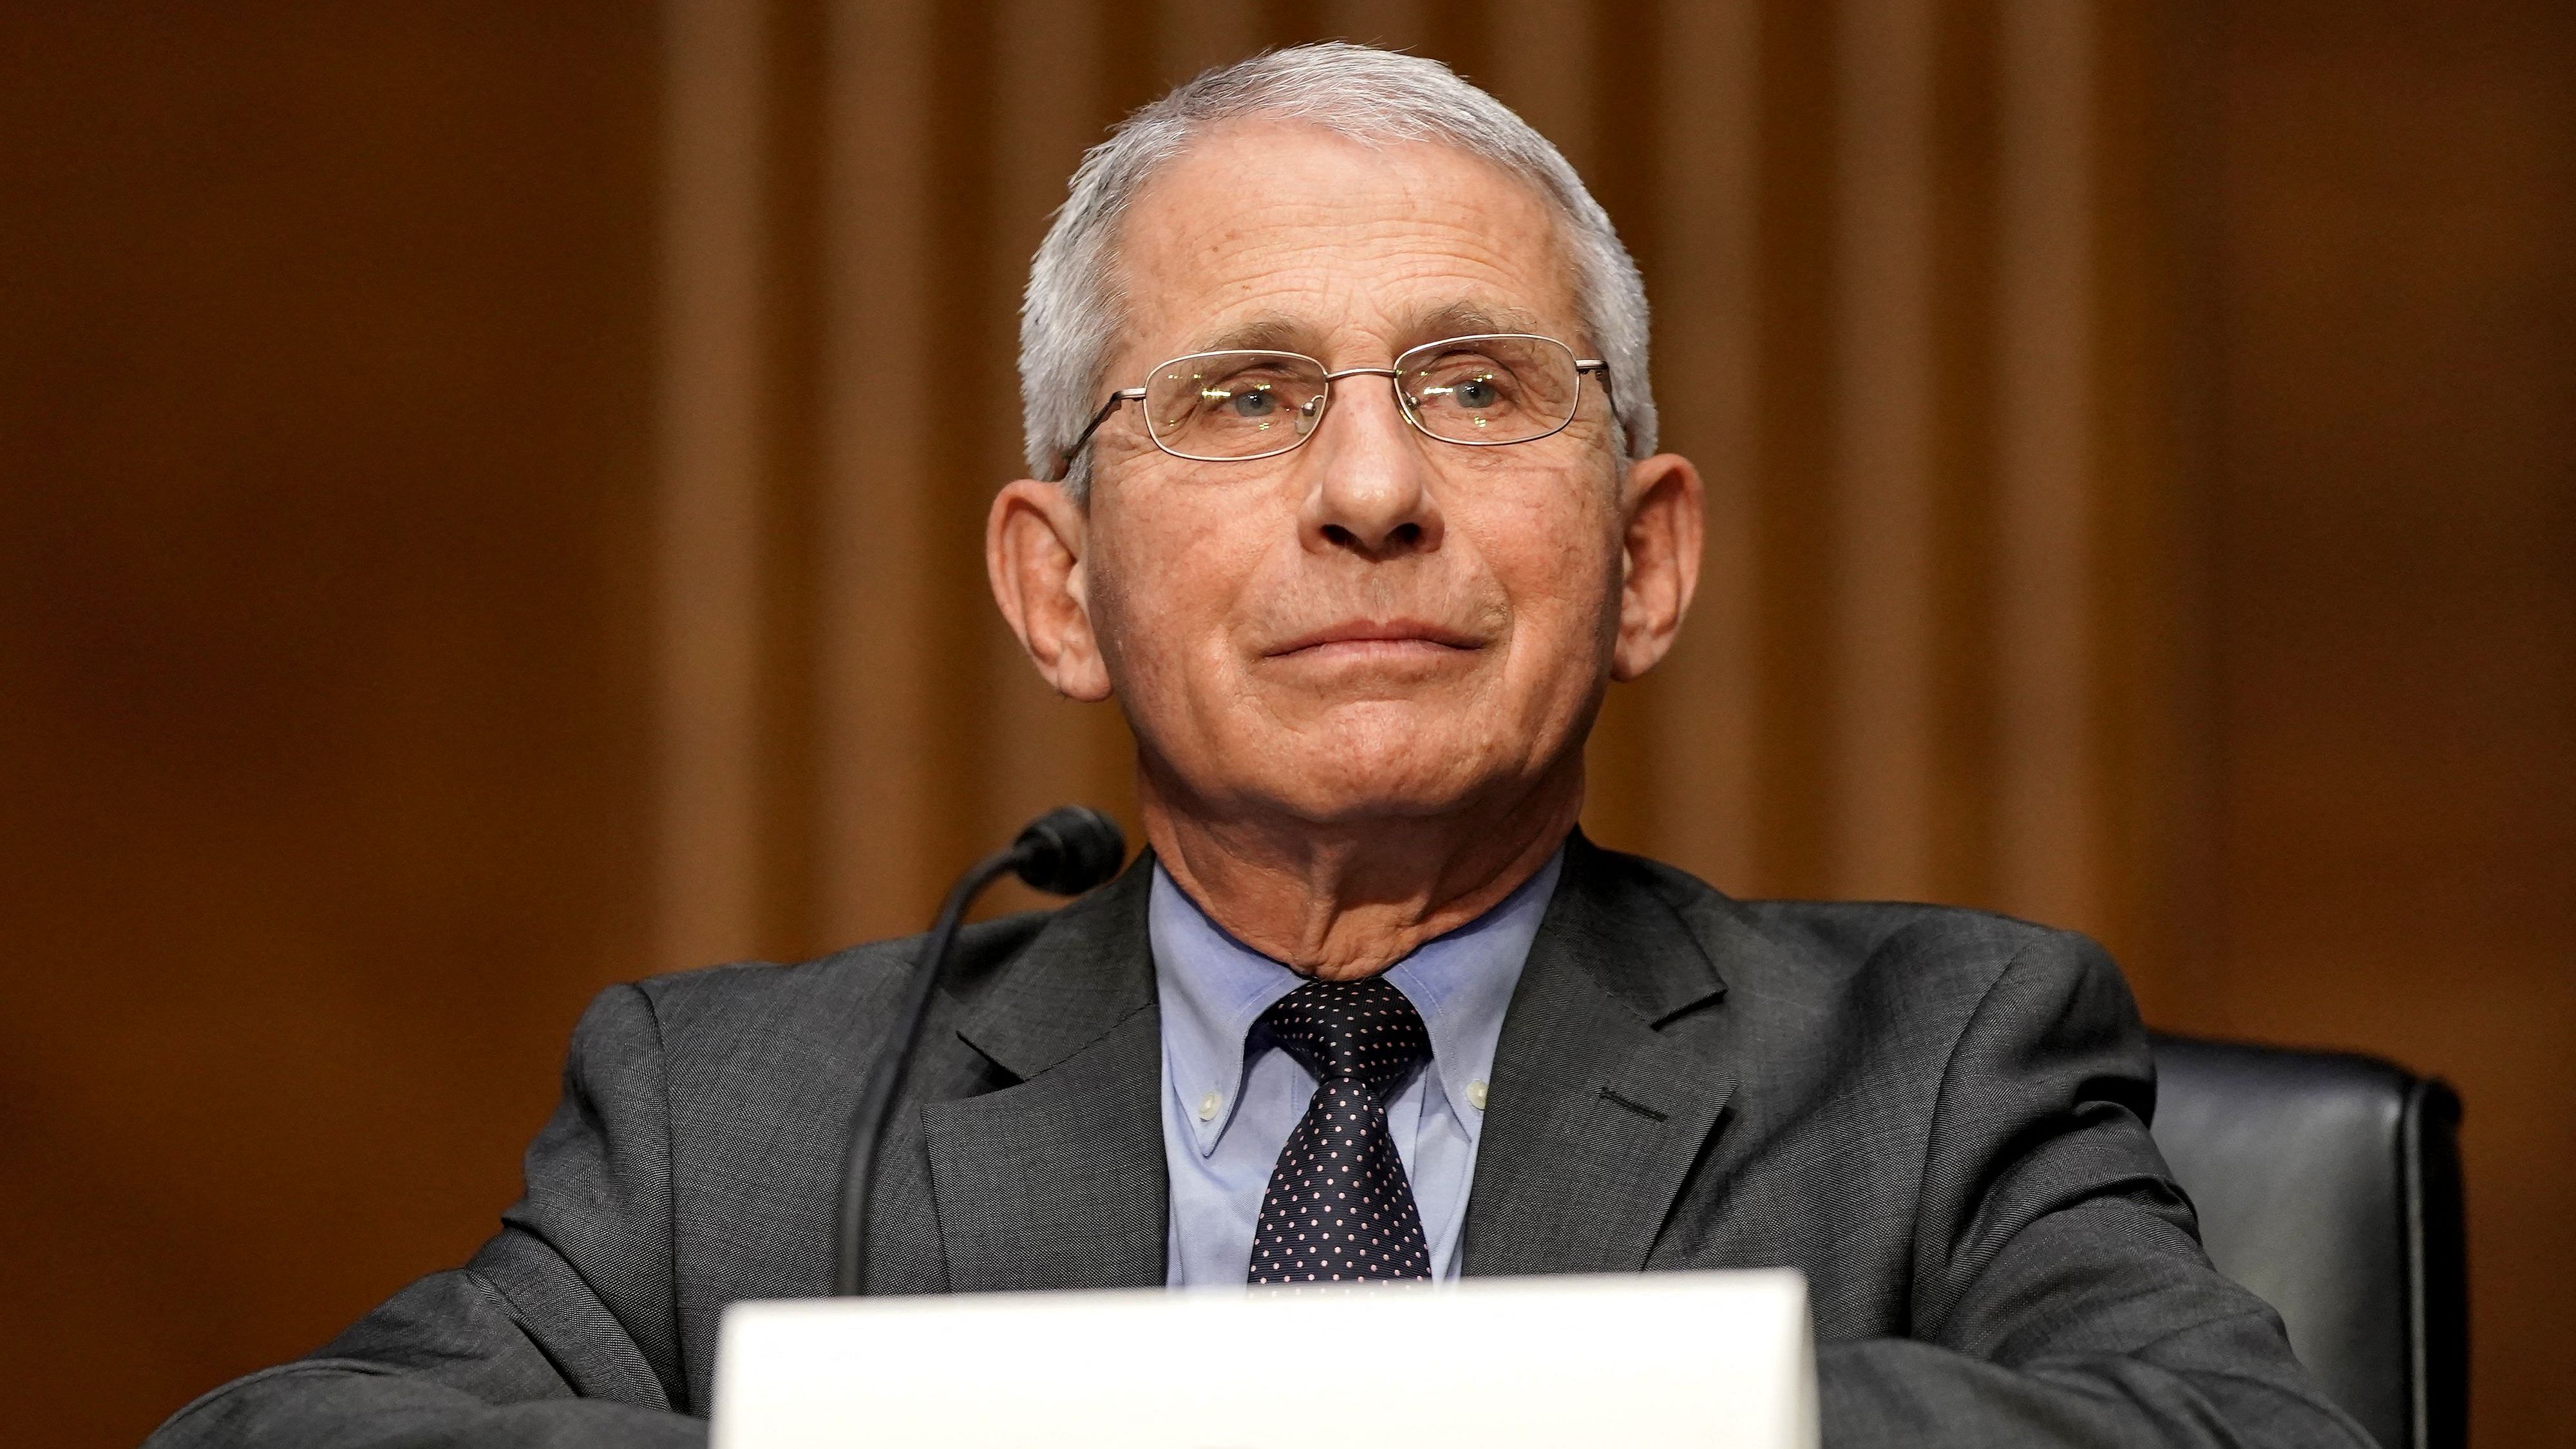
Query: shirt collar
1462, 984
1213, 988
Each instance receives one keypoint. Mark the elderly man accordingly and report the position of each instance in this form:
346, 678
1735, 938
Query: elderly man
1346, 492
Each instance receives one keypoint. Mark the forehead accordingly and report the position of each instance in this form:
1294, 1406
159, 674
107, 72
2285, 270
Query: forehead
1283, 234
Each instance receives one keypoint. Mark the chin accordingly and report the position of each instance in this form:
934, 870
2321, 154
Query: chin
1342, 781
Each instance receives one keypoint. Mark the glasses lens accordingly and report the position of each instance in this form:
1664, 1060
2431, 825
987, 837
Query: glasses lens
1227, 405
1490, 389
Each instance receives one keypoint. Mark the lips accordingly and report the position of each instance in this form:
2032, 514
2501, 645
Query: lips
1372, 636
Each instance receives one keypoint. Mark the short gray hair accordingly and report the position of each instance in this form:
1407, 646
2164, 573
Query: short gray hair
1070, 317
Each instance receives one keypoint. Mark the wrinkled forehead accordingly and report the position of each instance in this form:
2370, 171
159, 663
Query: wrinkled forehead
1281, 234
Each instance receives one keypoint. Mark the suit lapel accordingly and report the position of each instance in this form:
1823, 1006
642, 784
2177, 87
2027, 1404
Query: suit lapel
1605, 1086
1605, 1090
1058, 1181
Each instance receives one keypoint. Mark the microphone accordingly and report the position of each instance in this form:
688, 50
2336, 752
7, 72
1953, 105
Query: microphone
1064, 852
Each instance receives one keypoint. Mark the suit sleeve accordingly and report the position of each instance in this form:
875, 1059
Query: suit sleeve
2060, 1294
559, 1334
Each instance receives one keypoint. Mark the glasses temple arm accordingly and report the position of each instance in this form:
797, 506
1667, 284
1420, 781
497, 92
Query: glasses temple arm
1064, 460
1609, 394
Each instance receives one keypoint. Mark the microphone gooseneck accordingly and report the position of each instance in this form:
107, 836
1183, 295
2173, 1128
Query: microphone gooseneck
1066, 851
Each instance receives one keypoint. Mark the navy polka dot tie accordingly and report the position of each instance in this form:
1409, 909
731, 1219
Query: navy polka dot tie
1339, 1209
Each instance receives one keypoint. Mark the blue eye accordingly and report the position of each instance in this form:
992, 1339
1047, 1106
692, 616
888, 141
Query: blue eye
1257, 402
1475, 392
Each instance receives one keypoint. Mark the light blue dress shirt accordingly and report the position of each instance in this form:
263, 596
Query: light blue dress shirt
1231, 1097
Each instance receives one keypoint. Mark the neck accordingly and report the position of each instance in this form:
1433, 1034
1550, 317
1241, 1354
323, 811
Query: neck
1344, 900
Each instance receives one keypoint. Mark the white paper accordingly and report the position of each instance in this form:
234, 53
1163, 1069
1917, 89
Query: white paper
1645, 1361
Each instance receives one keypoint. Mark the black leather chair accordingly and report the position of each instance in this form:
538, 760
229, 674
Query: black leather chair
2330, 1186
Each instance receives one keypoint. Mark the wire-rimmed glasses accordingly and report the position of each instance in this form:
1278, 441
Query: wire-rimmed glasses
1237, 405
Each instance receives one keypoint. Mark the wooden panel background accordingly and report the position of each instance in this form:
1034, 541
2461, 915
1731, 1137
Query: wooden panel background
325, 721
489, 500
2391, 565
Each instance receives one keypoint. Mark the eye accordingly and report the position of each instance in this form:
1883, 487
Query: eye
1478, 391
1469, 388
1255, 402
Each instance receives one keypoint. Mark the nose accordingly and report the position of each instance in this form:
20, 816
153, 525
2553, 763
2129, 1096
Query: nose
1369, 486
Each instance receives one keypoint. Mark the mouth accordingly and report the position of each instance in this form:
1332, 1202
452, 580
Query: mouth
1389, 639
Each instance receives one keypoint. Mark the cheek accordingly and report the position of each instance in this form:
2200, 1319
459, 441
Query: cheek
1166, 569
1557, 558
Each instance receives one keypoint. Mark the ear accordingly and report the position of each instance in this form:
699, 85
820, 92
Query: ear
1660, 563
1033, 551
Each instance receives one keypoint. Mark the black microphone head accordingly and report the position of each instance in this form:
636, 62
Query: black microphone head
1069, 849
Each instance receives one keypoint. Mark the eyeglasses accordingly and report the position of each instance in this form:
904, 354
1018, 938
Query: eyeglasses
1233, 407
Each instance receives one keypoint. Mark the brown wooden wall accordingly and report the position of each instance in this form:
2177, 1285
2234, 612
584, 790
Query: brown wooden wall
325, 363
485, 512
2389, 543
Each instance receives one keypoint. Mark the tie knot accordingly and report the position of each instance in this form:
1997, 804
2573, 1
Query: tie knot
1362, 1031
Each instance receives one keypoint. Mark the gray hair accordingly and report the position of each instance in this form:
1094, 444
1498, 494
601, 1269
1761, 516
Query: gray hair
1070, 317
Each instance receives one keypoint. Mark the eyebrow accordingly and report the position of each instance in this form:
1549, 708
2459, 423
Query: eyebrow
1278, 332
1270, 332
1465, 319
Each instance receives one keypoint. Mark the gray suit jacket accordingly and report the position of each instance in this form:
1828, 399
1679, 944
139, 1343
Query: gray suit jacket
1938, 1115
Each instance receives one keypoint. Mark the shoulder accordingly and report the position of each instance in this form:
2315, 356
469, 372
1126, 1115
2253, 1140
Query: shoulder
1841, 936
781, 1004
1921, 966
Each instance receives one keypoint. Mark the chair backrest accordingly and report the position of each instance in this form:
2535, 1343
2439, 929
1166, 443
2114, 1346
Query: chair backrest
2330, 1185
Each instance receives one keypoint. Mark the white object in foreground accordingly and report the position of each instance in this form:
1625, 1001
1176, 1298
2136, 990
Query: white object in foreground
1647, 1361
